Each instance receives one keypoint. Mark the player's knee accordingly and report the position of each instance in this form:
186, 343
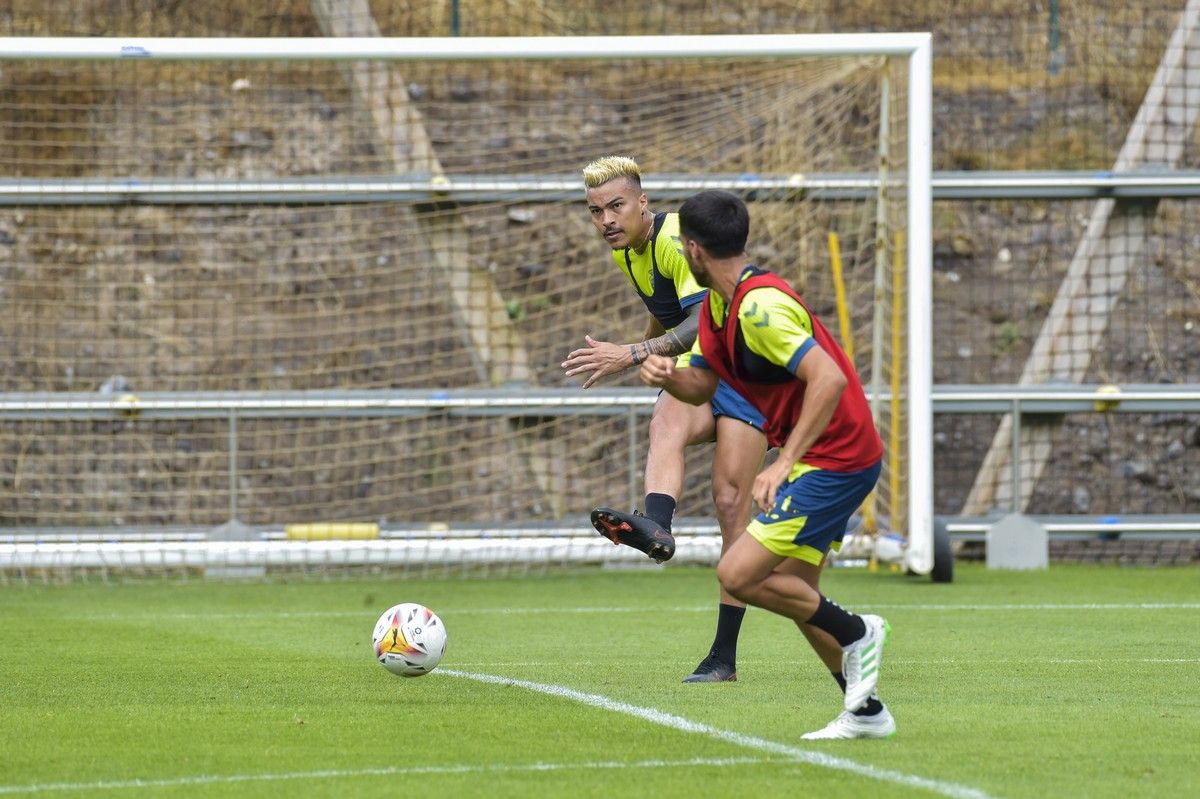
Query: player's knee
734, 580
665, 430
728, 502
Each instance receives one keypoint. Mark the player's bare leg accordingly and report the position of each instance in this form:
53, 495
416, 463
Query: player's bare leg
738, 457
872, 720
674, 425
749, 571
823, 643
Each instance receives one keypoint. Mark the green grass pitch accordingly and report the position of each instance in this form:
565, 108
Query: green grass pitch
1076, 681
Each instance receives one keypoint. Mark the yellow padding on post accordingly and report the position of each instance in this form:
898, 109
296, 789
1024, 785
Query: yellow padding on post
325, 531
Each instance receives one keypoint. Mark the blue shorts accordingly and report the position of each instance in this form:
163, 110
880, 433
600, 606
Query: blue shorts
811, 511
727, 402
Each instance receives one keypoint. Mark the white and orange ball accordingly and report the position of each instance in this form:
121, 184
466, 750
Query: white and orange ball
409, 639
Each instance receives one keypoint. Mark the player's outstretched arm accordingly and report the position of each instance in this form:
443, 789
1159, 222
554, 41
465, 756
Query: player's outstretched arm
601, 358
692, 385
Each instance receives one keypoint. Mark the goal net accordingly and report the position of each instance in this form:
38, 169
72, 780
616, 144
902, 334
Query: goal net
302, 303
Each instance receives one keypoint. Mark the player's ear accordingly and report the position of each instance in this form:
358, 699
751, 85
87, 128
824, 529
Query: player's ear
691, 247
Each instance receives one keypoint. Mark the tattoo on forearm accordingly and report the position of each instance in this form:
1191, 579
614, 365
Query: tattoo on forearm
677, 340
666, 344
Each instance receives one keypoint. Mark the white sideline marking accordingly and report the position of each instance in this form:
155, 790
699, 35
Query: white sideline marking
750, 661
1004, 661
1118, 660
1051, 606
220, 779
517, 611
740, 739
865, 607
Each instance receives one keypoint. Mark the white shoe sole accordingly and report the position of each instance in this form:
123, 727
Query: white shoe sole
847, 726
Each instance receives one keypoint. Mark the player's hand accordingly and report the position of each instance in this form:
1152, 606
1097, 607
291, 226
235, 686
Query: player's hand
766, 485
657, 370
601, 358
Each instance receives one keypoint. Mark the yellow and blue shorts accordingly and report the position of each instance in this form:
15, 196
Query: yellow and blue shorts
811, 511
727, 402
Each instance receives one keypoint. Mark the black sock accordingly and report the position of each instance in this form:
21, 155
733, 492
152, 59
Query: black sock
729, 624
845, 627
661, 508
873, 704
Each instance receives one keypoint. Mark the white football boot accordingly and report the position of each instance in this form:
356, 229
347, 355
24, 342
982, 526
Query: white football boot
861, 661
848, 725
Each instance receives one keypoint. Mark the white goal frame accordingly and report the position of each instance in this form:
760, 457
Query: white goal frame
916, 47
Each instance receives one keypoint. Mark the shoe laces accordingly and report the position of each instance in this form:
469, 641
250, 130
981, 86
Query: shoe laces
854, 662
710, 662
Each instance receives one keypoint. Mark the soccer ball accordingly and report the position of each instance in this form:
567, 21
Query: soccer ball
409, 639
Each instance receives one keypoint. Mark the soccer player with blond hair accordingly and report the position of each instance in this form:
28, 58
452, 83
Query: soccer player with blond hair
645, 248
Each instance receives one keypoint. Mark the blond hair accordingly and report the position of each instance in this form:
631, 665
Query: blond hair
611, 167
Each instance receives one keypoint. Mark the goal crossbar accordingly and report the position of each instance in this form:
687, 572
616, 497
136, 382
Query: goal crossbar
915, 47
357, 48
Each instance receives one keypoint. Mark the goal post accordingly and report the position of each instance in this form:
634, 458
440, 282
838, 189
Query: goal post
239, 215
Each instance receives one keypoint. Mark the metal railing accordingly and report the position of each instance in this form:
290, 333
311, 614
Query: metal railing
489, 188
1019, 401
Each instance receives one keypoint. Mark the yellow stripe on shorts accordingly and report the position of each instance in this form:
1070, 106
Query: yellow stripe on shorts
779, 537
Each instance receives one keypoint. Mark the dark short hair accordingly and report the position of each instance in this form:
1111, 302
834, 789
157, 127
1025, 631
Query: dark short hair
718, 220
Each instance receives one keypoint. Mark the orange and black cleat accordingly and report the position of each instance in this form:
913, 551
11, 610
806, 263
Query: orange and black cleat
634, 530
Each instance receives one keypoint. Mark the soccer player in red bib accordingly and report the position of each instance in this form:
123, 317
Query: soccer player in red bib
757, 335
